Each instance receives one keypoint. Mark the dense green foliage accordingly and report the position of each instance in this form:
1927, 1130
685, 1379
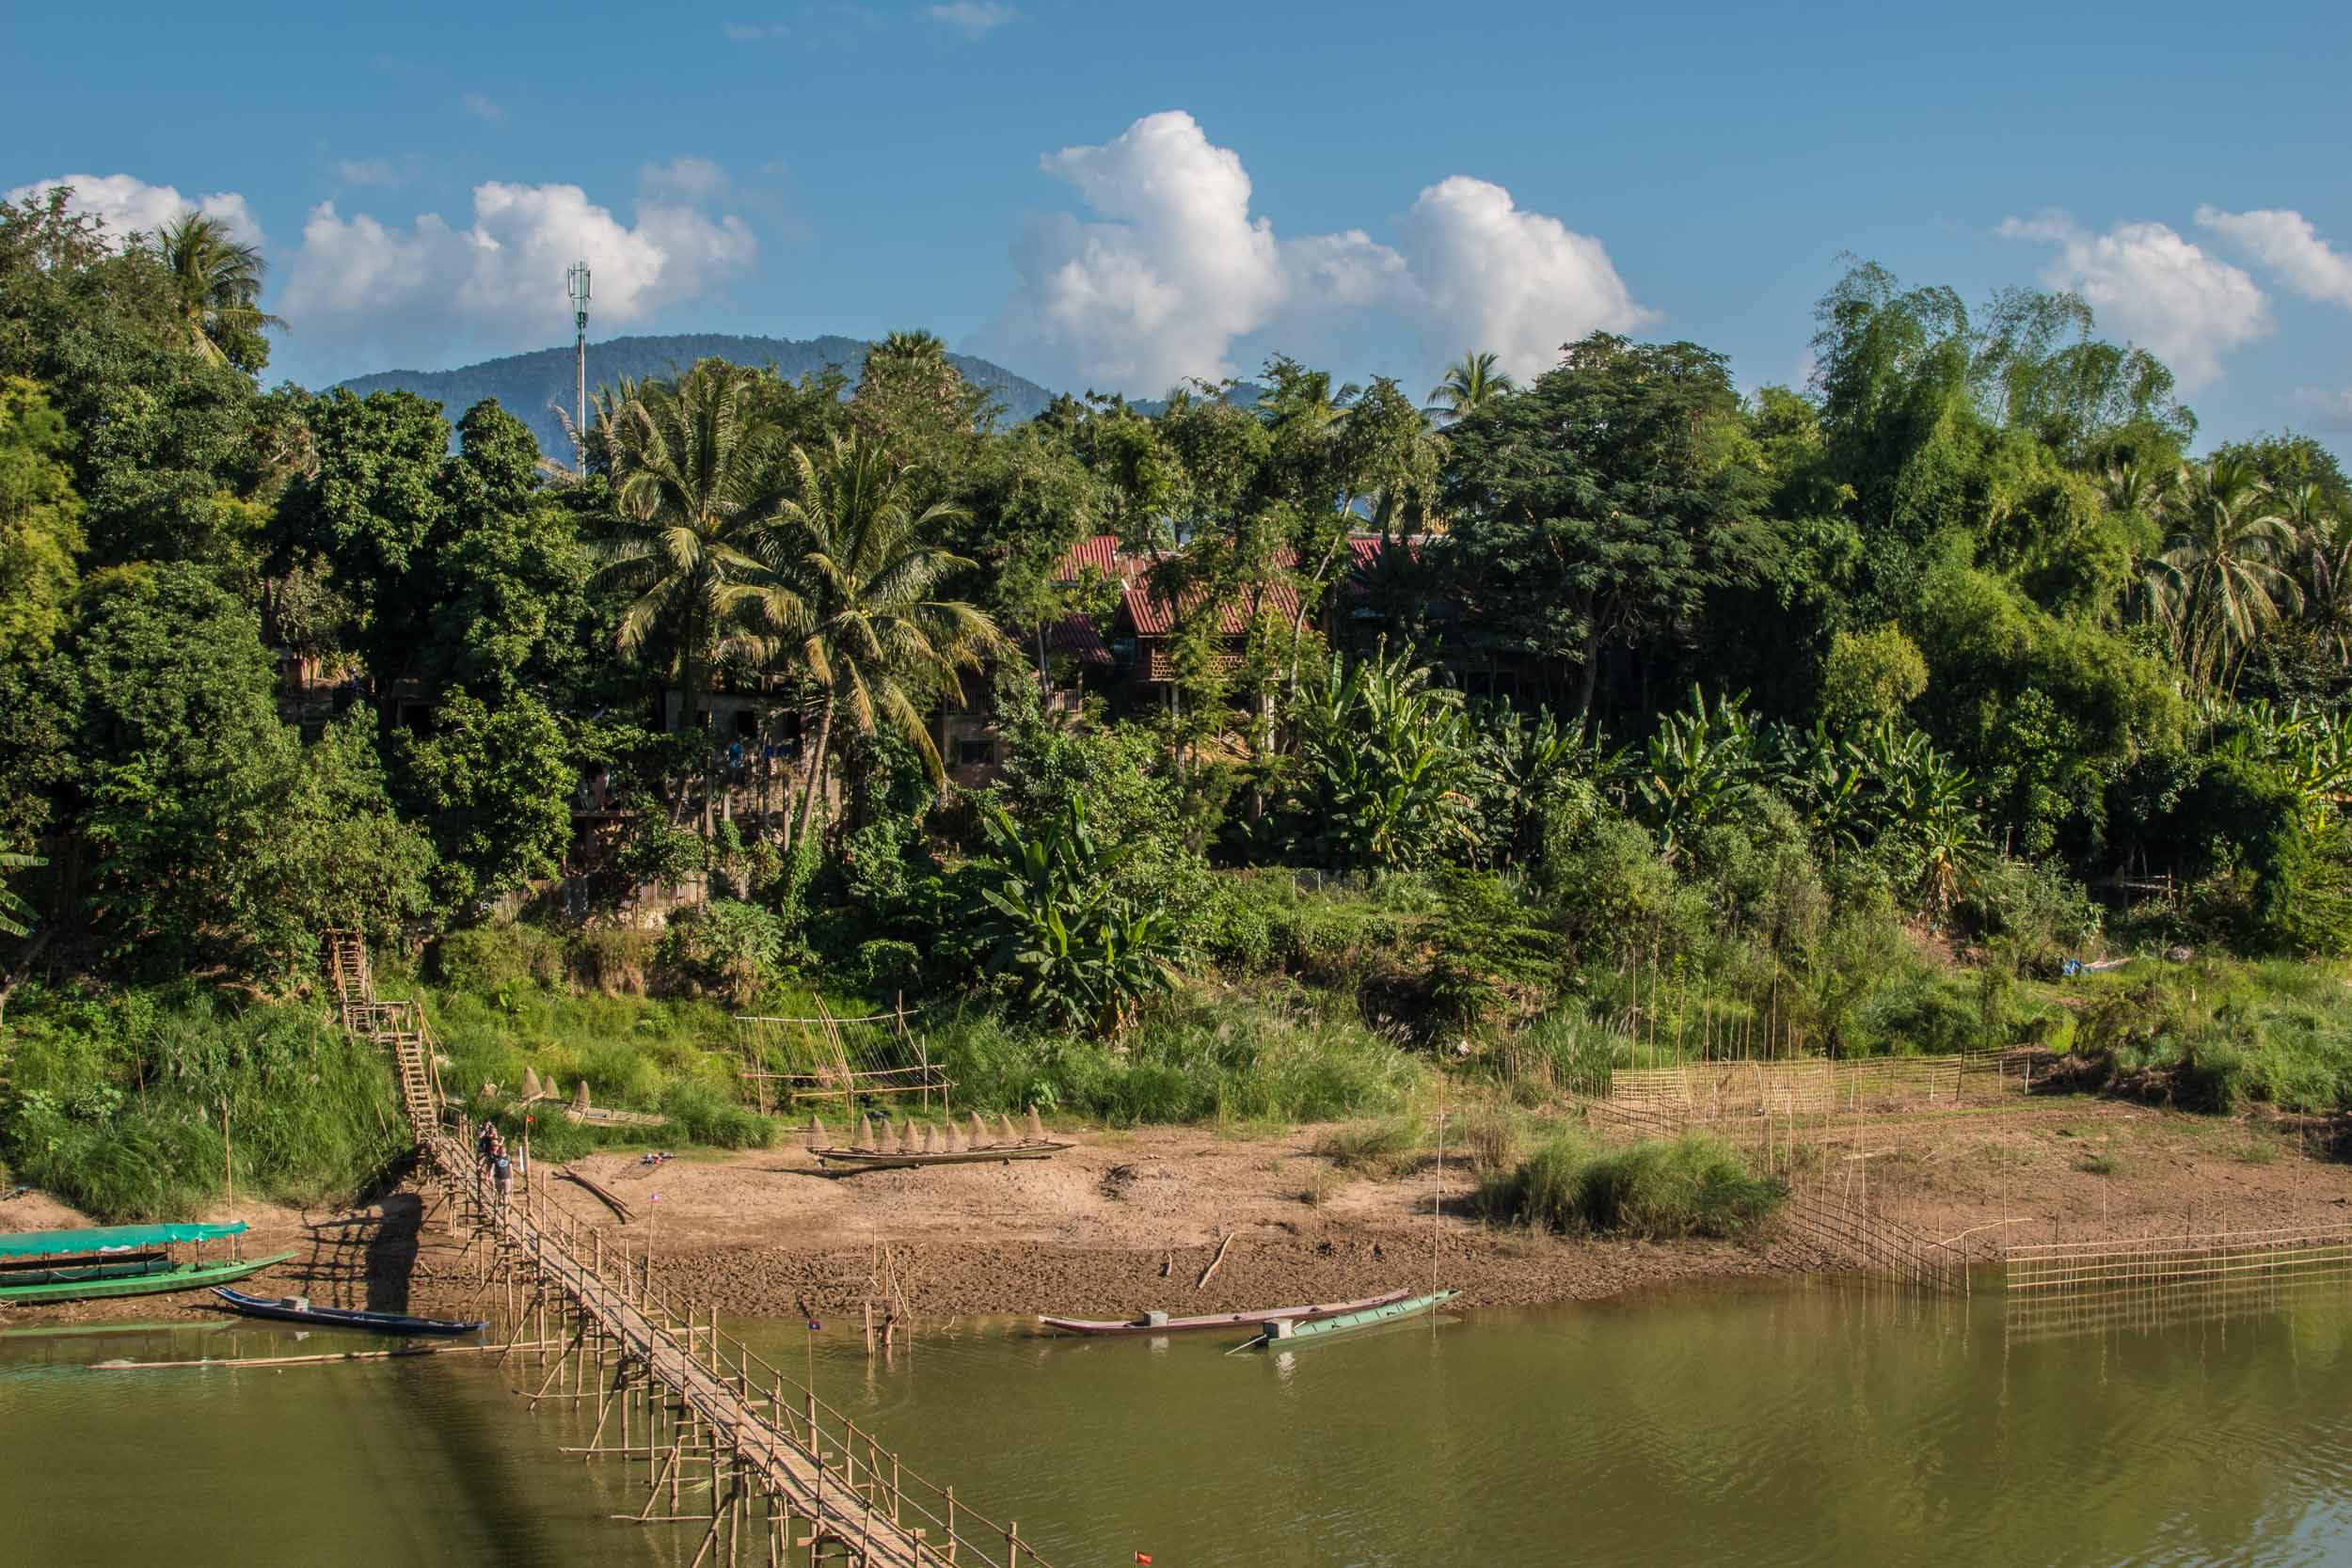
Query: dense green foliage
1601, 718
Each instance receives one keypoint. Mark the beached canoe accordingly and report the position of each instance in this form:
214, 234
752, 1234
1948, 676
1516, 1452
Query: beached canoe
294, 1309
1284, 1332
38, 1267
876, 1158
1160, 1323
178, 1276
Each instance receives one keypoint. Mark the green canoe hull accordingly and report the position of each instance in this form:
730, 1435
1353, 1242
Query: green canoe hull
1325, 1328
188, 1276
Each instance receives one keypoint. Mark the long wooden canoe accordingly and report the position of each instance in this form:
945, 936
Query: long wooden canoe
1162, 1323
1281, 1331
294, 1309
876, 1158
184, 1276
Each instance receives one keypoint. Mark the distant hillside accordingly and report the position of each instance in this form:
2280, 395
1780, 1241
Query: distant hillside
529, 385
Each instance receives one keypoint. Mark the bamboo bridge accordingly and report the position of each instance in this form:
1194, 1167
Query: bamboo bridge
774, 1474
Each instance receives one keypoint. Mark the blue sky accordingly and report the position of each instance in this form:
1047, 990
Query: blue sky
1116, 194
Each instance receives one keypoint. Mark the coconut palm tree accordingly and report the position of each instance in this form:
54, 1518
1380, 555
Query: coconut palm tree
695, 471
843, 596
215, 284
2223, 578
1470, 387
2326, 562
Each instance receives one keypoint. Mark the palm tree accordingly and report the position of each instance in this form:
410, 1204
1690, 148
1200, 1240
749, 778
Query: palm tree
1470, 387
843, 594
2221, 578
215, 283
695, 473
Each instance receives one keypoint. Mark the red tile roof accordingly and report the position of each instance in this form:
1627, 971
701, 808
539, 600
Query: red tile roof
1150, 613
1101, 553
1076, 636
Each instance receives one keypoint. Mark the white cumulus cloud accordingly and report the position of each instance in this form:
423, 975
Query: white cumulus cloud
2155, 287
127, 204
1493, 277
1175, 269
2284, 241
498, 283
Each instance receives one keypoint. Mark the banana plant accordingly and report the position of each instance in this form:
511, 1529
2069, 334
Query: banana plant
16, 915
1080, 953
1522, 764
1702, 767
1387, 779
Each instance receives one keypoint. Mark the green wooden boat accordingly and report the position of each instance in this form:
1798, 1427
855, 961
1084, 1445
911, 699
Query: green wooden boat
42, 1266
1284, 1332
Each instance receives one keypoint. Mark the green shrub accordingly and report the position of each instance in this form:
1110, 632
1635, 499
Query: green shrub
1695, 1185
486, 958
725, 946
609, 960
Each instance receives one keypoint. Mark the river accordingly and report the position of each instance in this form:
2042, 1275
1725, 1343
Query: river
1805, 1422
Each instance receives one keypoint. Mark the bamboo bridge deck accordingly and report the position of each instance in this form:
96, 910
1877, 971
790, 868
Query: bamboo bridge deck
790, 1480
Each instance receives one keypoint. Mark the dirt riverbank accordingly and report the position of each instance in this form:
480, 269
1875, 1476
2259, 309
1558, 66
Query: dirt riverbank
1128, 1221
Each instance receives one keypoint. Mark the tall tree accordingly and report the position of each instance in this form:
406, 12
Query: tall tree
166, 446
508, 603
216, 291
1599, 506
841, 593
1472, 384
374, 508
695, 471
2223, 575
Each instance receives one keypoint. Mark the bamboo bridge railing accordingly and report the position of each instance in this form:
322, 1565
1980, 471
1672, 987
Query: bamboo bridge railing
790, 1480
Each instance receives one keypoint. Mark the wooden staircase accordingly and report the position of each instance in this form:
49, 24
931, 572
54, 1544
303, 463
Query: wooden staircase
397, 1026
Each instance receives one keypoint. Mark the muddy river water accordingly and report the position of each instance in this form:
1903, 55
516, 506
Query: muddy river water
1805, 1422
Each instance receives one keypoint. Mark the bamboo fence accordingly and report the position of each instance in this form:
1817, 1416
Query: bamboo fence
2148, 1283
791, 1061
1820, 1086
2146, 1264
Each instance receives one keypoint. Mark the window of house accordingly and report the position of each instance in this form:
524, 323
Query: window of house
746, 723
975, 752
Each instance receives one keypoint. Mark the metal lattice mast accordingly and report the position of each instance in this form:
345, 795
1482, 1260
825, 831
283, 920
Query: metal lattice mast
576, 285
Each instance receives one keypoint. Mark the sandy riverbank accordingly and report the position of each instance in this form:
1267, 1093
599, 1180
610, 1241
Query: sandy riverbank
1128, 1221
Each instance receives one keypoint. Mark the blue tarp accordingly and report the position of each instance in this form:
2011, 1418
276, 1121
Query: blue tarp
109, 1238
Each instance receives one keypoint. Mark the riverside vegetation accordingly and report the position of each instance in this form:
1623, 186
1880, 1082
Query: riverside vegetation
1492, 741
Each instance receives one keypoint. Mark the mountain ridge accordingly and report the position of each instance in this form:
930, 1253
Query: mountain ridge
529, 385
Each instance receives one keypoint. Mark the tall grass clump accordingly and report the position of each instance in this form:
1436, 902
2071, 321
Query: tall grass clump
116, 1107
1695, 1185
1384, 1146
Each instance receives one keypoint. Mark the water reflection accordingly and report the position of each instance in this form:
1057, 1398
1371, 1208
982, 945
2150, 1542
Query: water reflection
1818, 1422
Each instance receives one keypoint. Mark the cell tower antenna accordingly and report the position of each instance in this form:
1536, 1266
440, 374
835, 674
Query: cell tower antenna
576, 285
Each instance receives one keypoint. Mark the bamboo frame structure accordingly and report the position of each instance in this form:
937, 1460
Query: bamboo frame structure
838, 1070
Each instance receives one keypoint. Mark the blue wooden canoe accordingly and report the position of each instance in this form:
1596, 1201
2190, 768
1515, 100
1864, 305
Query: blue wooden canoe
1285, 1332
294, 1309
